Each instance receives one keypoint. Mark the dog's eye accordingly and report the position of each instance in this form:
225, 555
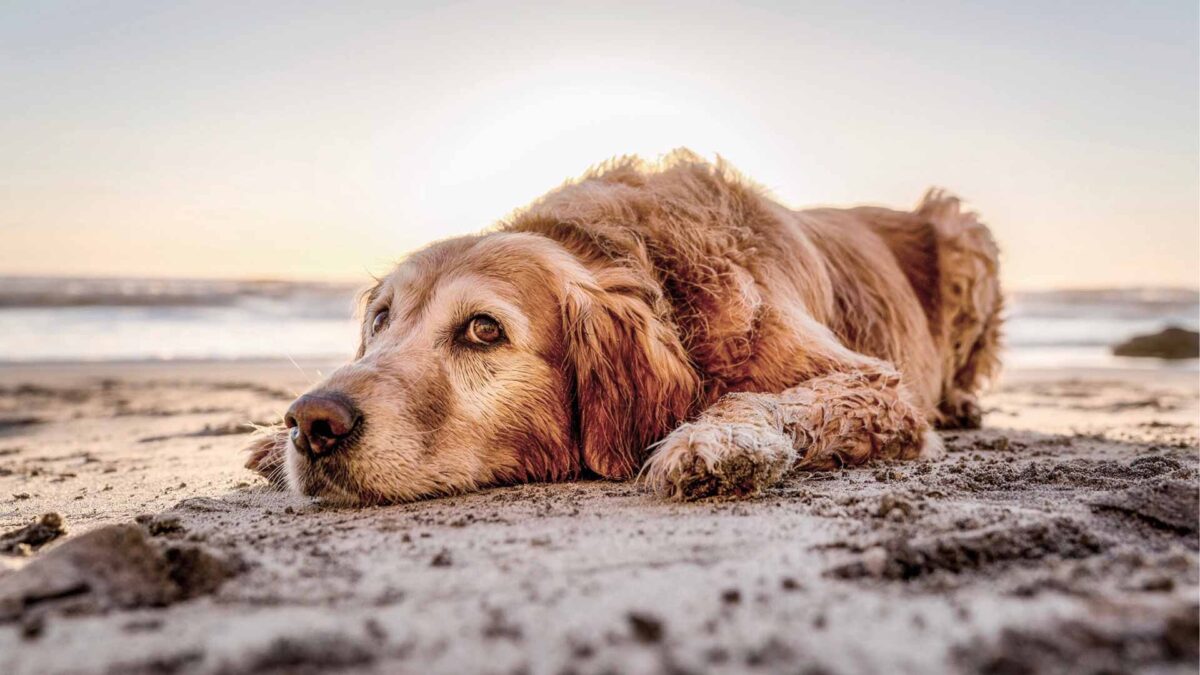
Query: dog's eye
380, 321
484, 330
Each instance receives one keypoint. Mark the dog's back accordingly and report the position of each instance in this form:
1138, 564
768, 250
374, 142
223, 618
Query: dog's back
884, 299
915, 288
952, 263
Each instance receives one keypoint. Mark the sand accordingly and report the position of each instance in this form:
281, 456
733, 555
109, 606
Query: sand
1063, 537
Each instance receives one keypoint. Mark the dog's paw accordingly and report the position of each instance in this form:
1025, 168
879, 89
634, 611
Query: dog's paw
704, 459
932, 447
965, 413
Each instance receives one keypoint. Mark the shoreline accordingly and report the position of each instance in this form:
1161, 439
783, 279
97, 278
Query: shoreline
1180, 371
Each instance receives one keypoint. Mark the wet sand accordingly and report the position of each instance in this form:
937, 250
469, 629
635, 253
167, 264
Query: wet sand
1062, 537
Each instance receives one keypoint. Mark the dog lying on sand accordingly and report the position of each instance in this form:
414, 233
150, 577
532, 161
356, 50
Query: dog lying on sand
669, 321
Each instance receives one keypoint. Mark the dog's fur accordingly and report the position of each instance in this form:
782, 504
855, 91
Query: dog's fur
671, 320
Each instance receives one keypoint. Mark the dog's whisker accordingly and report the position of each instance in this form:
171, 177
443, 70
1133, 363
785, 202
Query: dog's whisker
311, 381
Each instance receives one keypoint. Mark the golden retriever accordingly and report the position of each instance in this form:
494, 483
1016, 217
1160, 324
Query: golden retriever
668, 320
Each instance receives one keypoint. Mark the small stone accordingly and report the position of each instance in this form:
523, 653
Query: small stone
442, 559
1156, 584
33, 627
646, 629
25, 540
161, 525
875, 561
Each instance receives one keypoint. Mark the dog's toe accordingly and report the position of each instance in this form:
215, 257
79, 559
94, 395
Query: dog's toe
965, 414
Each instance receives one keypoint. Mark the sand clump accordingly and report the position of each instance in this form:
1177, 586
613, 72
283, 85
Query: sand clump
1000, 475
901, 558
1167, 504
26, 540
1075, 646
310, 654
113, 567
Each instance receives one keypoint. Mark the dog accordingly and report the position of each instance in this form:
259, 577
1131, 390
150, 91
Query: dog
666, 320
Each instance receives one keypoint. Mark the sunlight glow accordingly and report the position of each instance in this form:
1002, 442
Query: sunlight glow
327, 144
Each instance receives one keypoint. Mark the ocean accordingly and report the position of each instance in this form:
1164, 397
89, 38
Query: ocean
67, 320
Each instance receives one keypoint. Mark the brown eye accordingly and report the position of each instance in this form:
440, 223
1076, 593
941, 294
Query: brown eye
380, 322
483, 330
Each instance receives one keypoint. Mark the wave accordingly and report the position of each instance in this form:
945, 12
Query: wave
335, 299
143, 292
1132, 304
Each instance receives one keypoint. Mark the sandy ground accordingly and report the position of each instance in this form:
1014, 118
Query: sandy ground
1063, 538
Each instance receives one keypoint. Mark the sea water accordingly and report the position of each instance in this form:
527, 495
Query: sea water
64, 320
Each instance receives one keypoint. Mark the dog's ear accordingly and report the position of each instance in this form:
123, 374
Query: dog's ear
365, 299
632, 377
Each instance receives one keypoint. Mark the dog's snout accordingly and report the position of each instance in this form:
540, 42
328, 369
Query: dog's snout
321, 422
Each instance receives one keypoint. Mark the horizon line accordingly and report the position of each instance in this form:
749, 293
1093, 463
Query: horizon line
367, 277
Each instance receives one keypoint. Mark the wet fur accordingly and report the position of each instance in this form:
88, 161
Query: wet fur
677, 323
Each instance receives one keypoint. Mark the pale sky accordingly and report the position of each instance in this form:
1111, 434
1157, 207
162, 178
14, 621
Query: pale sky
324, 140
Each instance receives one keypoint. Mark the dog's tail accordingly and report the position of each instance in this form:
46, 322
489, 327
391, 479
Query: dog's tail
970, 305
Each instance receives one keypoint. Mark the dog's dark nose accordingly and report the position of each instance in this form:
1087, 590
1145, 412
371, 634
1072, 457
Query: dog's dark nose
321, 422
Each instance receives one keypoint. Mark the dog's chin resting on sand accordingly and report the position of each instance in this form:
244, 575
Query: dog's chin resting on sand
669, 321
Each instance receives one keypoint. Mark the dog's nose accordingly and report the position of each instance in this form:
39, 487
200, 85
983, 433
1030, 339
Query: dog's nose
321, 422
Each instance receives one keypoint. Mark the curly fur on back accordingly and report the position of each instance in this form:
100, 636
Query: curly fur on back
710, 251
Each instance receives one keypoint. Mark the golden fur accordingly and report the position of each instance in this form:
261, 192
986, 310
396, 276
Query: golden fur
671, 320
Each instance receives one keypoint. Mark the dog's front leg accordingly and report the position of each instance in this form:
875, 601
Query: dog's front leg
845, 419
746, 441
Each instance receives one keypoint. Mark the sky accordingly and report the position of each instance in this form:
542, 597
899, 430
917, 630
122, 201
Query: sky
325, 140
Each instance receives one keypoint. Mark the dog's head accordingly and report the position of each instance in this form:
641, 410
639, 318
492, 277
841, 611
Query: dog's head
486, 360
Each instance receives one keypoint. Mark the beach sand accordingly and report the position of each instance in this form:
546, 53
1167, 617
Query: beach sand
1062, 537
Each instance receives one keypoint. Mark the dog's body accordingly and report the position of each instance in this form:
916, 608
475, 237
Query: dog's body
668, 319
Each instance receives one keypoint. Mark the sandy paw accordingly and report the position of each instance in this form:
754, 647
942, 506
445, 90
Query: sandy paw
932, 447
965, 414
729, 460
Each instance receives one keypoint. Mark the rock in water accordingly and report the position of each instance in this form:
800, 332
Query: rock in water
1171, 343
